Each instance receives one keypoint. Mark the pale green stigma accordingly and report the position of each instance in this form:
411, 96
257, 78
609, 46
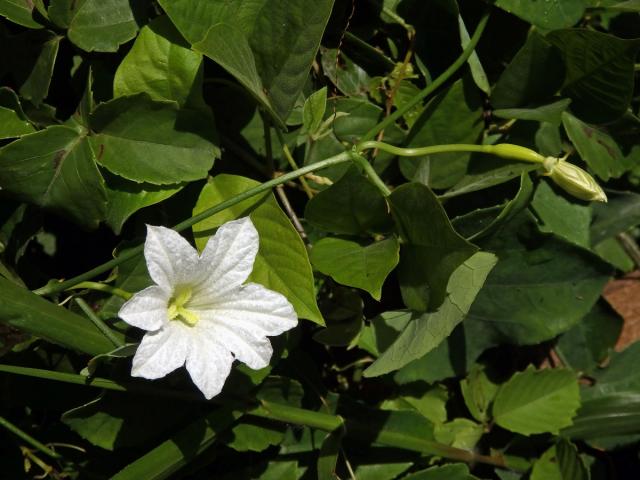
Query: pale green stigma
177, 309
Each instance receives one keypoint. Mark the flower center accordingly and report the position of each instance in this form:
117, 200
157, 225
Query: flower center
177, 309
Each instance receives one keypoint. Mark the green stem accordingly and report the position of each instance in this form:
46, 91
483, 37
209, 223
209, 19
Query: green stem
503, 150
97, 321
371, 173
29, 439
437, 83
97, 382
53, 288
102, 287
292, 162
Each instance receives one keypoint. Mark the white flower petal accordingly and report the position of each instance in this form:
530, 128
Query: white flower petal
254, 351
252, 308
170, 259
147, 309
208, 364
228, 258
162, 351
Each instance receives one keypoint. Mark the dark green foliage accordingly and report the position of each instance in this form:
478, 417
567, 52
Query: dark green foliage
452, 324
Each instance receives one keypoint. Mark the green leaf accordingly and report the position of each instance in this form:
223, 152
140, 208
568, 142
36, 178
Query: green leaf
161, 64
600, 72
612, 252
408, 426
228, 47
255, 435
98, 25
477, 70
347, 76
382, 471
287, 470
560, 462
352, 264
548, 15
154, 142
25, 311
351, 206
453, 116
482, 222
619, 214
426, 331
534, 74
619, 376
282, 263
590, 341
537, 401
125, 198
490, 178
556, 278
455, 357
432, 405
607, 422
571, 465
115, 421
313, 110
55, 168
328, 455
167, 458
455, 471
561, 217
551, 112
33, 57
9, 99
431, 245
362, 115
20, 12
596, 148
11, 125
405, 93
265, 44
459, 433
546, 467
627, 6
610, 412
342, 311
478, 392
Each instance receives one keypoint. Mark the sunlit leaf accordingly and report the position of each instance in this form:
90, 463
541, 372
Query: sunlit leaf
537, 401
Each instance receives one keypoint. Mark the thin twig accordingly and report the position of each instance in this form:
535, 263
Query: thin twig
292, 162
630, 246
284, 200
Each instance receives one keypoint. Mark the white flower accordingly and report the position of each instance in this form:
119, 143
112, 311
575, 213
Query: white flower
199, 313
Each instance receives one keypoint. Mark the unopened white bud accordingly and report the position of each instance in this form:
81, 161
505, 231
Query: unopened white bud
574, 180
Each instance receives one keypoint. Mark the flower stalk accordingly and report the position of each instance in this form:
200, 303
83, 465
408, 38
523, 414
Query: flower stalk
571, 178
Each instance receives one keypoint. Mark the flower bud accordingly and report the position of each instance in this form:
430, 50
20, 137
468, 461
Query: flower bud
574, 180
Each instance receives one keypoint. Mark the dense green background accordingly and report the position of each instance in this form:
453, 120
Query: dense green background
452, 329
